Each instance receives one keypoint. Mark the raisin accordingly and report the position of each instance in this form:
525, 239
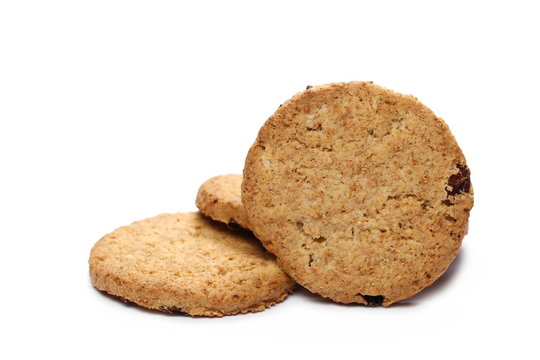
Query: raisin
373, 300
460, 182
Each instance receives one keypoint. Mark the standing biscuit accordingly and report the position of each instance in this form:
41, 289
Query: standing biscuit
362, 193
220, 199
186, 262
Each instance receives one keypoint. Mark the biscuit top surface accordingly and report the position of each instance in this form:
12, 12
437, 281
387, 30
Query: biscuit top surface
362, 193
187, 262
220, 199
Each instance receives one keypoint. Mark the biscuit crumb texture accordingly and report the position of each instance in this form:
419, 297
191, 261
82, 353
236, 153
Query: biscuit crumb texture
188, 263
220, 199
362, 193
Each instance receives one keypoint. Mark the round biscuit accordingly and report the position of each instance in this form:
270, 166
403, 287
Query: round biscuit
362, 193
220, 199
189, 263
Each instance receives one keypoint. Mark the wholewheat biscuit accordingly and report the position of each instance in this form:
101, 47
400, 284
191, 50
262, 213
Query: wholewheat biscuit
188, 263
362, 193
220, 198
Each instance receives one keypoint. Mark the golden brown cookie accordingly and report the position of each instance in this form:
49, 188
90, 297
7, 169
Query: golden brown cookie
362, 193
220, 198
188, 263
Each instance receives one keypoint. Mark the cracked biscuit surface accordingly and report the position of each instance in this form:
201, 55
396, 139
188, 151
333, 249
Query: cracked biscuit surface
220, 199
189, 263
362, 193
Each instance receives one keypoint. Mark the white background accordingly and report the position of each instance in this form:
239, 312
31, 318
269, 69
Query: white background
113, 111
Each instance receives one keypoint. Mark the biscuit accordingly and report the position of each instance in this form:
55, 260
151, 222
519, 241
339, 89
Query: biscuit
220, 199
362, 193
189, 263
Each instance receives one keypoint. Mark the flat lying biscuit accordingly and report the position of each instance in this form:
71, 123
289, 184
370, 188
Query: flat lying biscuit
220, 198
362, 193
188, 263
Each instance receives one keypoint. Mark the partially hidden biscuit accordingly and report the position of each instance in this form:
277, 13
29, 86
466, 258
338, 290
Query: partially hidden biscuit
188, 263
220, 198
362, 193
